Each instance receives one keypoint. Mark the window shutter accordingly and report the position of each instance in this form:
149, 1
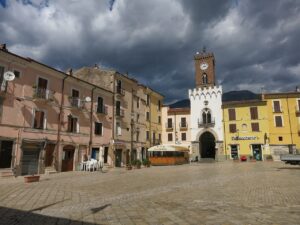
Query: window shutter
69, 123
254, 113
255, 126
42, 116
298, 105
232, 128
278, 121
231, 113
276, 105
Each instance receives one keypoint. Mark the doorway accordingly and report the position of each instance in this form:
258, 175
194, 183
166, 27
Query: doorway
68, 158
207, 145
105, 154
30, 159
95, 153
256, 151
118, 161
49, 154
6, 153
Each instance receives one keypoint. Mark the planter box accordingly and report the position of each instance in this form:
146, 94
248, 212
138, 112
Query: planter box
33, 178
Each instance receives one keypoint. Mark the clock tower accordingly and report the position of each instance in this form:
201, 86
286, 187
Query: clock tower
204, 69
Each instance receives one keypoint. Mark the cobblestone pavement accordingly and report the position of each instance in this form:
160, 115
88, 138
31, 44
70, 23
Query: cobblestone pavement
207, 193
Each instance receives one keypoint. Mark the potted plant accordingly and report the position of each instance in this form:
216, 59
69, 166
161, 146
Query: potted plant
146, 162
244, 158
128, 167
252, 159
31, 178
269, 158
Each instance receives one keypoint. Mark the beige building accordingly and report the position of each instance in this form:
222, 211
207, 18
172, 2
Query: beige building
175, 126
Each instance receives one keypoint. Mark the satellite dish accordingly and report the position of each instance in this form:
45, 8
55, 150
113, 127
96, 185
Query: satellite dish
9, 76
87, 99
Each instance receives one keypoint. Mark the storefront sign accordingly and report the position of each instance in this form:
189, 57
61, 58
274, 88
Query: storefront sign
244, 138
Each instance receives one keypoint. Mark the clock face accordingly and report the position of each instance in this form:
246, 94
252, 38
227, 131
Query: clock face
203, 66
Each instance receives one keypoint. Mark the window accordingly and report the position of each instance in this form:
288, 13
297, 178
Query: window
234, 151
2, 81
170, 123
119, 86
100, 105
170, 137
298, 108
75, 101
255, 127
148, 116
280, 138
159, 105
73, 125
41, 90
118, 108
137, 117
159, 137
137, 135
254, 113
183, 136
183, 122
231, 113
39, 120
276, 106
138, 102
17, 73
159, 119
232, 128
98, 129
147, 135
148, 99
153, 137
206, 116
278, 121
118, 129
204, 79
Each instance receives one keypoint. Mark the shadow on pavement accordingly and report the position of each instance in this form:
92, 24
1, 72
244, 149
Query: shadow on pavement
289, 168
19, 217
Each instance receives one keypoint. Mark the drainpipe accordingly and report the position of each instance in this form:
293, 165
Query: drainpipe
56, 153
287, 101
113, 122
91, 120
224, 136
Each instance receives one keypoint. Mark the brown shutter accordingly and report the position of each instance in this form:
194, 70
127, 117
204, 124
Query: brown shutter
276, 105
255, 126
36, 119
298, 106
232, 128
42, 114
254, 113
231, 113
74, 125
69, 123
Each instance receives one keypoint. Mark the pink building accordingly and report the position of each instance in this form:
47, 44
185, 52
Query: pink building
50, 120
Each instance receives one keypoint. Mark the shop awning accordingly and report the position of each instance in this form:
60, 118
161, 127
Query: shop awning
168, 148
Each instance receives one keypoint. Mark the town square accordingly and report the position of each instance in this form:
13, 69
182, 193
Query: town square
149, 112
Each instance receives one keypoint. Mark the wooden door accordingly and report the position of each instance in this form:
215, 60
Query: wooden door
49, 154
68, 159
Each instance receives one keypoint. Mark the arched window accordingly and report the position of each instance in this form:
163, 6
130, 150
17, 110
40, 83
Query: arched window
204, 78
206, 116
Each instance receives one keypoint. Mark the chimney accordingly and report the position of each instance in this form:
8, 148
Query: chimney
70, 72
3, 47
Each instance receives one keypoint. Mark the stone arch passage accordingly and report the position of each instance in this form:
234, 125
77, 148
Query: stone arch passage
207, 146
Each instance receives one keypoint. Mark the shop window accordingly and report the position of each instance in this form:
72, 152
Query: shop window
234, 151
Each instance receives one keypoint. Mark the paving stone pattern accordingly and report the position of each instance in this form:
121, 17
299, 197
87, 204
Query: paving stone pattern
207, 193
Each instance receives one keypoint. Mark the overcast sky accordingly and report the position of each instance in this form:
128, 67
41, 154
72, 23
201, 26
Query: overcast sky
256, 43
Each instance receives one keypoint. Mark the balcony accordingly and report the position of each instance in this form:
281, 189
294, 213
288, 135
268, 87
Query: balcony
76, 102
183, 126
120, 112
169, 126
206, 124
101, 109
43, 94
120, 91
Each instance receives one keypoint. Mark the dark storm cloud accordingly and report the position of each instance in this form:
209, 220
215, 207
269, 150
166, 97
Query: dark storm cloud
255, 42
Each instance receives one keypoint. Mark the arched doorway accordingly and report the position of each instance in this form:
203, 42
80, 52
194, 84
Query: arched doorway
68, 158
207, 145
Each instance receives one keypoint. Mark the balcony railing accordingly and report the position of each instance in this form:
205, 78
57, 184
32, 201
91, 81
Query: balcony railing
120, 112
101, 109
202, 123
41, 93
120, 91
75, 102
183, 125
169, 126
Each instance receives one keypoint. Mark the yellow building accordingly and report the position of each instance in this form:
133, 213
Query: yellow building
284, 122
246, 129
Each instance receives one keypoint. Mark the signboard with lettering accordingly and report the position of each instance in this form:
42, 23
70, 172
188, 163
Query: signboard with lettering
243, 138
